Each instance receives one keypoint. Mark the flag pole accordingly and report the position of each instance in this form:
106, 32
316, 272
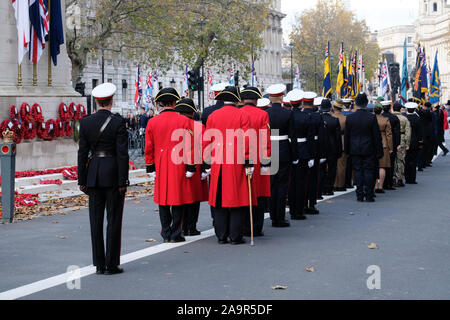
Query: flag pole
19, 75
49, 80
35, 74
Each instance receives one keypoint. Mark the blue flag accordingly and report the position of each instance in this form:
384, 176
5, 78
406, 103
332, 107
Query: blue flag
435, 84
405, 82
56, 29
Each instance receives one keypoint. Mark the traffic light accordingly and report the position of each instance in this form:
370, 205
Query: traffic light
79, 87
193, 80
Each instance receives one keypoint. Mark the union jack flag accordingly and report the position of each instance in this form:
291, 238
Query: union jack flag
39, 27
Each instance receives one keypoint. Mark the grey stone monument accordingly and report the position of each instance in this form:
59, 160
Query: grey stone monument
36, 154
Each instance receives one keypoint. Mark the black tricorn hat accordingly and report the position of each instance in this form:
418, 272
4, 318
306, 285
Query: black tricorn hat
251, 93
229, 94
186, 105
361, 100
325, 105
167, 95
448, 102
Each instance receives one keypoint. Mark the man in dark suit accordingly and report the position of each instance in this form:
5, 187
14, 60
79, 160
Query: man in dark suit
362, 141
281, 125
333, 145
415, 145
426, 119
105, 136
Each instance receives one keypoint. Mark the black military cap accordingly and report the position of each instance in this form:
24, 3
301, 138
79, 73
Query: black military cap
229, 94
251, 93
167, 95
361, 100
448, 103
186, 106
325, 105
427, 105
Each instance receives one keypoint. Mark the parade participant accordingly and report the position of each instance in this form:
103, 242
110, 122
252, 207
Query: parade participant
349, 174
287, 103
339, 184
173, 189
426, 119
405, 139
263, 103
259, 122
186, 107
416, 143
302, 155
104, 176
348, 106
333, 145
280, 119
230, 165
395, 130
323, 149
217, 88
363, 143
386, 136
441, 121
316, 123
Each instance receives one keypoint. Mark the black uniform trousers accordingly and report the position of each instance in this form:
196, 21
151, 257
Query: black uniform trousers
172, 219
191, 212
364, 167
349, 173
228, 222
321, 173
389, 180
99, 199
330, 174
305, 186
411, 165
279, 184
427, 152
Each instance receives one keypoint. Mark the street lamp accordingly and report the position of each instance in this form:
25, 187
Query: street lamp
315, 70
172, 83
292, 69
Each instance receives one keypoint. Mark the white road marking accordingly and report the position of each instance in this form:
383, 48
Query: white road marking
48, 283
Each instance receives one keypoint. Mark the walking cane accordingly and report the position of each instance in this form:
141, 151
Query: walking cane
251, 210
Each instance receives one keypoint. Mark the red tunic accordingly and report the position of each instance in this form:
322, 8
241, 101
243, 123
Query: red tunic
170, 157
235, 191
445, 120
200, 188
259, 121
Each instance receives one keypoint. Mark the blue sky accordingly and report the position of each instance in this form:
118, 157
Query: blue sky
378, 14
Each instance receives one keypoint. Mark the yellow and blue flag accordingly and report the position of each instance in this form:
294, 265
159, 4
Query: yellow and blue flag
327, 90
341, 83
435, 84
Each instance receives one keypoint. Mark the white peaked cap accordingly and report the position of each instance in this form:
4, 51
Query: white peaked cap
264, 102
286, 100
411, 105
318, 101
104, 91
309, 96
276, 89
295, 95
386, 103
219, 86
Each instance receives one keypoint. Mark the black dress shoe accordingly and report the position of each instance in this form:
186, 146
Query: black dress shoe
379, 191
328, 193
237, 242
166, 240
100, 270
340, 189
411, 183
223, 241
360, 199
114, 270
445, 153
311, 211
370, 200
298, 217
280, 224
180, 239
420, 170
194, 233
390, 188
320, 198
258, 234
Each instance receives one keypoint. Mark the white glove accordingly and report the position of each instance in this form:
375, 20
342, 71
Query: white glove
152, 176
322, 161
295, 162
311, 163
249, 171
204, 176
189, 174
265, 171
208, 171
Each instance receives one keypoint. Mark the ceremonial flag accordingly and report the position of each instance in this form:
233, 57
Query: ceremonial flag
417, 90
185, 82
341, 82
155, 83
405, 76
297, 80
352, 78
138, 93
327, 90
424, 74
23, 27
231, 77
254, 79
385, 81
435, 84
56, 34
39, 20
149, 91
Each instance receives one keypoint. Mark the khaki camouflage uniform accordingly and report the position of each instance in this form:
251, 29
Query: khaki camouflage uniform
405, 131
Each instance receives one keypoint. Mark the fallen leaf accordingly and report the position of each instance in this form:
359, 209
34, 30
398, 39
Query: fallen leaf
329, 201
310, 269
156, 210
137, 201
62, 237
55, 222
278, 287
352, 213
373, 246
150, 240
186, 251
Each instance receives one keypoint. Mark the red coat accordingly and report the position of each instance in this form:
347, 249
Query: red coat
171, 185
200, 188
235, 191
445, 120
259, 121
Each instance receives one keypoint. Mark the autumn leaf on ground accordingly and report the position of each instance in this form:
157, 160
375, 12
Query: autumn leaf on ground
150, 240
156, 210
352, 213
278, 287
62, 237
373, 246
310, 269
137, 201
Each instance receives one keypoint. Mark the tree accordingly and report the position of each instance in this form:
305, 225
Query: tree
330, 21
162, 33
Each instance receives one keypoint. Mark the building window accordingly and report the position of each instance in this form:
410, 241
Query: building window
124, 90
409, 39
409, 54
435, 7
109, 80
